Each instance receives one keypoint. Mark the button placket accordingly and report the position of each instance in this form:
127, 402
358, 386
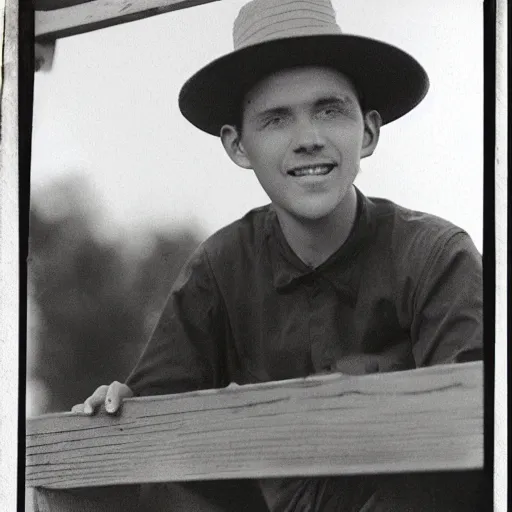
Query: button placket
321, 356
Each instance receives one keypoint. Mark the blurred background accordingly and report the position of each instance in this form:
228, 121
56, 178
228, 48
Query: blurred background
123, 188
93, 299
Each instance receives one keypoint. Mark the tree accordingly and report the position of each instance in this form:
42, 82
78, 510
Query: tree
96, 306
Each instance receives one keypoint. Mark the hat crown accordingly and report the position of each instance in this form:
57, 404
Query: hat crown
260, 21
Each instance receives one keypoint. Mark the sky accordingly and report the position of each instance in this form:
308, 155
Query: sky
107, 112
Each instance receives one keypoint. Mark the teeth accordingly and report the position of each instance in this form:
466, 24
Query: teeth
311, 171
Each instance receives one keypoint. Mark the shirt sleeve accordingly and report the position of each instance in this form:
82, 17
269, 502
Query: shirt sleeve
185, 351
447, 319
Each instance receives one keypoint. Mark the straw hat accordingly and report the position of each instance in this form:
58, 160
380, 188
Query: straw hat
270, 35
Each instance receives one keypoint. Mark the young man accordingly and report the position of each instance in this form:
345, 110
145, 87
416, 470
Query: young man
322, 279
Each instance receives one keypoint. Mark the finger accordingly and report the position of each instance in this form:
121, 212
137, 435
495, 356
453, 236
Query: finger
95, 400
116, 393
77, 408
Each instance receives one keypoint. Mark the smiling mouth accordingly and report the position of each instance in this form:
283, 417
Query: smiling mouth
311, 170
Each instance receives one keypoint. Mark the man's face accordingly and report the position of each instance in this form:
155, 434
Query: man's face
303, 134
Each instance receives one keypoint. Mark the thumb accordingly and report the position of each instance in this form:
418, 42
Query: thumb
115, 394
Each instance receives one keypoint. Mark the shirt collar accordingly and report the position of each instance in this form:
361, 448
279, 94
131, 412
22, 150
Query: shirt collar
289, 270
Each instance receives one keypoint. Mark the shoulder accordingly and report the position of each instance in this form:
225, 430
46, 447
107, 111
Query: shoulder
416, 244
409, 230
422, 252
401, 219
228, 250
242, 238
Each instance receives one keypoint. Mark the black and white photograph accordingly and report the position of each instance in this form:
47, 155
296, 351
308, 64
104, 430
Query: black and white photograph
255, 274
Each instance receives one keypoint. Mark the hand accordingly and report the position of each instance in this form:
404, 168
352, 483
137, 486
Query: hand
111, 396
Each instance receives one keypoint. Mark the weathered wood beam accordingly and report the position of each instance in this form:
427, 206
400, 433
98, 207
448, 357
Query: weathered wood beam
79, 16
9, 248
43, 55
419, 420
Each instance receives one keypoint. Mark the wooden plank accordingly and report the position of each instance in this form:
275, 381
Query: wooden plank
9, 260
96, 14
43, 55
419, 420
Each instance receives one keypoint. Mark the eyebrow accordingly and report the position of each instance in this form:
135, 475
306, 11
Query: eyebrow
274, 111
344, 100
321, 102
333, 100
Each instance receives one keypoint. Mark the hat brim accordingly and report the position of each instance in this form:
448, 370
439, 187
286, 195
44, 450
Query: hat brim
390, 80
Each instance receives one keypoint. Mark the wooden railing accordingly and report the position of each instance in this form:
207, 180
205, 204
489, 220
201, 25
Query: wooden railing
417, 420
61, 18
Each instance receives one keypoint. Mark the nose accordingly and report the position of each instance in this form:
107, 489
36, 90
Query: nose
308, 138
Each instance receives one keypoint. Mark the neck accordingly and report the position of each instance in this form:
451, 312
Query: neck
314, 241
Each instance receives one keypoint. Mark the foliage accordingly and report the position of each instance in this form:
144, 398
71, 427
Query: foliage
97, 302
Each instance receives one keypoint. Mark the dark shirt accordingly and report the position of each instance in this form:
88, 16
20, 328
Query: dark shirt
403, 291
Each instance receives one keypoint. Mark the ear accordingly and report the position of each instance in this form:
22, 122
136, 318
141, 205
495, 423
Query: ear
231, 140
372, 124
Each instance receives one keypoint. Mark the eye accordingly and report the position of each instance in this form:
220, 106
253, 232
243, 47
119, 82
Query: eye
274, 121
330, 112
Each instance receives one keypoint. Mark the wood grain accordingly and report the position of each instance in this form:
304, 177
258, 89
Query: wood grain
93, 15
419, 420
